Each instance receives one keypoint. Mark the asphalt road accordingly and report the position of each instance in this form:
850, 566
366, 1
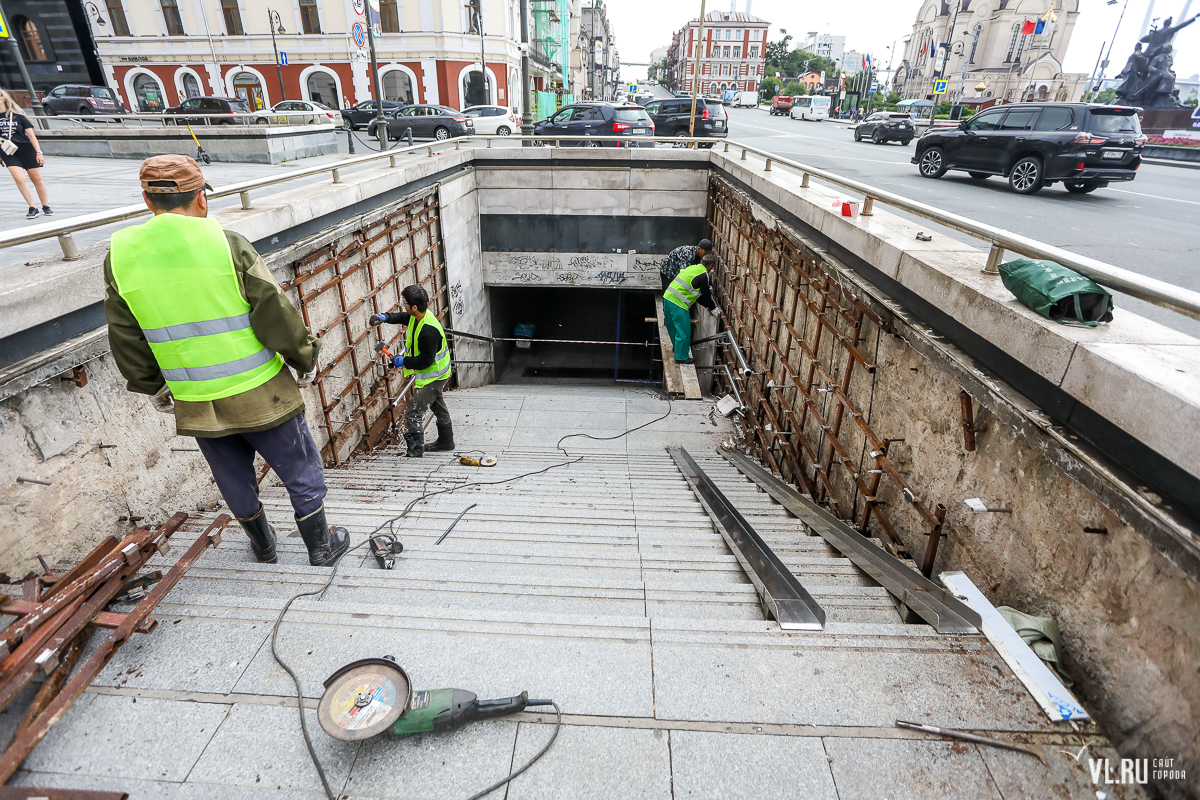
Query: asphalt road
1150, 225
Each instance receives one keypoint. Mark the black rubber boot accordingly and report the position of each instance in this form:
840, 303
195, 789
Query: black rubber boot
325, 543
416, 443
445, 440
262, 537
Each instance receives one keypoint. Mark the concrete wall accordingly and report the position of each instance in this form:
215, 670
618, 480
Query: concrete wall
1089, 544
254, 144
469, 308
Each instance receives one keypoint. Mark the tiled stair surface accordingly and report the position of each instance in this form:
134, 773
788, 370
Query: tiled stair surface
602, 584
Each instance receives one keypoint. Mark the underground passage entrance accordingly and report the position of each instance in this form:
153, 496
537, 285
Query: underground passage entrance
577, 315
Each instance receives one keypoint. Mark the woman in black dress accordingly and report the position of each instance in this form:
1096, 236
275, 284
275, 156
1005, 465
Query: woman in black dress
27, 159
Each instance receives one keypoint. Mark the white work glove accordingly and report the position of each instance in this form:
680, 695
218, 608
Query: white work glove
305, 380
716, 312
164, 401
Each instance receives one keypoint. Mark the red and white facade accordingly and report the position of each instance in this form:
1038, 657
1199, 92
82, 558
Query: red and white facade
731, 56
162, 51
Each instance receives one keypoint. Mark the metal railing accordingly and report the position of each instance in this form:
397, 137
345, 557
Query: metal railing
198, 119
1160, 293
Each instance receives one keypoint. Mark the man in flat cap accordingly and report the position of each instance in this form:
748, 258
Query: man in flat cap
197, 321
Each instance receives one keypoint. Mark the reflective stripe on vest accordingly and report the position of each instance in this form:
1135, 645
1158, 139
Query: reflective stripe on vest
177, 275
680, 291
440, 368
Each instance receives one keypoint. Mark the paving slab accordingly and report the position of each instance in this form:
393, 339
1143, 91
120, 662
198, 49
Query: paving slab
906, 769
125, 737
262, 747
750, 766
593, 763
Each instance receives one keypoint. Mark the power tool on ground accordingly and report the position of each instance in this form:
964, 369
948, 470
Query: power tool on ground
372, 696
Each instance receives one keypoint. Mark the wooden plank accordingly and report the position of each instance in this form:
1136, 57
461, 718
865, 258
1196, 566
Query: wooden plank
671, 376
1058, 703
691, 383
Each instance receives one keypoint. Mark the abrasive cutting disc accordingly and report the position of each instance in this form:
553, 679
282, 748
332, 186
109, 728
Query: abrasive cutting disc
363, 699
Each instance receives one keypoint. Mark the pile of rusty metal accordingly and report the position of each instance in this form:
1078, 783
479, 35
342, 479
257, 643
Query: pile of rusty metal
59, 612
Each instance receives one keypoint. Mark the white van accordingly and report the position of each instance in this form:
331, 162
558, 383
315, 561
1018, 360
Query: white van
810, 107
745, 100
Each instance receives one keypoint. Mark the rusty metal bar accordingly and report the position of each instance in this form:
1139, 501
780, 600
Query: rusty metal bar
54, 681
24, 742
935, 536
968, 421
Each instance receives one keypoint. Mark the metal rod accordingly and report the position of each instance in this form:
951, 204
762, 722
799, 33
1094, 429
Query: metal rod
34, 480
970, 737
727, 335
452, 524
968, 421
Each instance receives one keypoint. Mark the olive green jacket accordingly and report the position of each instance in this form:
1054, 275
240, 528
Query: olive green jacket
276, 323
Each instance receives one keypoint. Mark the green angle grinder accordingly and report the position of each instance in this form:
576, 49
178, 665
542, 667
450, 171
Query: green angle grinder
372, 696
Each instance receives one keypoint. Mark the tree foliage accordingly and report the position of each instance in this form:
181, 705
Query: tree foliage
768, 88
777, 51
1107, 96
794, 63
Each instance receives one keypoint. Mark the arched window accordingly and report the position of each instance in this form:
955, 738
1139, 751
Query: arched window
322, 88
247, 86
1012, 44
149, 95
191, 86
476, 91
30, 40
398, 86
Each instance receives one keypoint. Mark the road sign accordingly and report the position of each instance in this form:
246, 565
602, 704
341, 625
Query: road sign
360, 34
360, 7
3, 28
283, 58
874, 86
633, 88
939, 87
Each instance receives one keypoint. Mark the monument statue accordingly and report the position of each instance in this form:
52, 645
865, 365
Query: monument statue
1147, 79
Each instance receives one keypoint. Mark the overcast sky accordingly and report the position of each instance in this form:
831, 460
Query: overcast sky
873, 25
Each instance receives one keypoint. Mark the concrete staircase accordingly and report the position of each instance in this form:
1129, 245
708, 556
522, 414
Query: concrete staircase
601, 584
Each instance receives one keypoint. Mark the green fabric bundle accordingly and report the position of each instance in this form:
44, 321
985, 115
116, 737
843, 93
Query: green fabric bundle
1057, 292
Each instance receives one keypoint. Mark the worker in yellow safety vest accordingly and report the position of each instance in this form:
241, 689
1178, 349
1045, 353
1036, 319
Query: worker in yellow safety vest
198, 322
691, 286
427, 357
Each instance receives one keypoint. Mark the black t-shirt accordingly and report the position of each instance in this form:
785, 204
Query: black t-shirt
13, 126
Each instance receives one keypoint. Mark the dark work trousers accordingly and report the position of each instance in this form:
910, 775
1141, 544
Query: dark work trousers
289, 449
425, 398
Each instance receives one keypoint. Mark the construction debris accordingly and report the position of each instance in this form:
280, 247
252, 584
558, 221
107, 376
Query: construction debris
58, 613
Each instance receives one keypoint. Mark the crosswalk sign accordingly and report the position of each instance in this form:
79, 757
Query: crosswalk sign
3, 28
939, 87
633, 88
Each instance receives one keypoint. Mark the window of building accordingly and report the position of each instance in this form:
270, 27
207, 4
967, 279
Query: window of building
1012, 43
309, 19
247, 86
191, 86
754, 52
737, 52
30, 40
120, 27
726, 53
322, 88
170, 9
389, 16
233, 18
398, 86
148, 94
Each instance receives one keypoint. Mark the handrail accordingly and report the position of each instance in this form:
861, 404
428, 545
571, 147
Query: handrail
207, 117
1160, 293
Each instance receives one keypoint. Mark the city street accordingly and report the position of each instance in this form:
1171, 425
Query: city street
1147, 226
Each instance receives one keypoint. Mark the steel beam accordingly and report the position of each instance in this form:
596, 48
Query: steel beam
783, 597
929, 601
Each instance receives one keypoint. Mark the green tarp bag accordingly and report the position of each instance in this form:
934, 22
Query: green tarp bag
1057, 292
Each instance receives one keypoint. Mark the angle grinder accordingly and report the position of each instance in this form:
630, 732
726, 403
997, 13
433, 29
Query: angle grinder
372, 696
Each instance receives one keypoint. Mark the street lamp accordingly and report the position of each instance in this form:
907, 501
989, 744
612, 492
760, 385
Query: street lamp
95, 12
274, 21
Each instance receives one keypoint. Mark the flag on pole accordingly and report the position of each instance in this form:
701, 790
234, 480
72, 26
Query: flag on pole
1039, 27
1028, 27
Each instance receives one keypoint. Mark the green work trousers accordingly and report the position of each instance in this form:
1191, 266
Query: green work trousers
679, 325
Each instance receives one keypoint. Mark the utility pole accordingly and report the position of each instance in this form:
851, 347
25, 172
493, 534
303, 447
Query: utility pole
380, 124
272, 20
699, 63
482, 63
34, 103
1104, 63
526, 115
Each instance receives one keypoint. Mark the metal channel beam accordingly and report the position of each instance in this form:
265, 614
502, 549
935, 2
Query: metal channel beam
781, 593
929, 601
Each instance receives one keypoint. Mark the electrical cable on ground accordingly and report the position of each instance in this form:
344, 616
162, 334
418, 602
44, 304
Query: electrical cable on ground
390, 525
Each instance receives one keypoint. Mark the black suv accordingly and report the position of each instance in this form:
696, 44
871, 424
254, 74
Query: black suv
599, 119
1036, 144
885, 126
671, 118
362, 114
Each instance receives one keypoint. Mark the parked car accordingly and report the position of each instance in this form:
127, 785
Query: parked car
493, 120
362, 114
77, 99
1085, 147
672, 117
885, 126
426, 122
599, 119
317, 114
781, 105
213, 110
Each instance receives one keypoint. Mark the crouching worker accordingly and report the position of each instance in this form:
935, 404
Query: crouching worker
196, 320
427, 356
690, 286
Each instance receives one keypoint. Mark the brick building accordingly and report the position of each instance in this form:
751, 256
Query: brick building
731, 58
